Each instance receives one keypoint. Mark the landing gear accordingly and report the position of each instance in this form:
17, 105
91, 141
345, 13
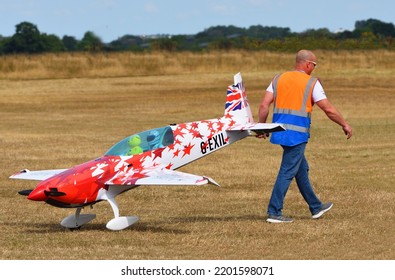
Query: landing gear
77, 220
119, 223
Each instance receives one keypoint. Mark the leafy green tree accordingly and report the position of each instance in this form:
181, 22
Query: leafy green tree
348, 44
28, 39
368, 34
90, 42
219, 32
52, 43
221, 44
375, 26
346, 34
127, 42
267, 32
70, 43
252, 44
185, 42
3, 42
164, 44
317, 33
25, 40
369, 41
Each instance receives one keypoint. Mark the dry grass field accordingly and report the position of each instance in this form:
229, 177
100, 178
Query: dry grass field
57, 111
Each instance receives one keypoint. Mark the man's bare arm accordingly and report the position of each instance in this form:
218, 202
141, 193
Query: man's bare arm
264, 106
334, 115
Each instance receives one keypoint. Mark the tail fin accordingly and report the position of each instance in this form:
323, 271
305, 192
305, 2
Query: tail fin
237, 106
238, 109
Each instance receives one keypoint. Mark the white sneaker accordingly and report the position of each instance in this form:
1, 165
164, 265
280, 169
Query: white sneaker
324, 208
278, 219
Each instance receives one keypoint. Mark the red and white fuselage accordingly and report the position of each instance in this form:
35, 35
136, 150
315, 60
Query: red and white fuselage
147, 158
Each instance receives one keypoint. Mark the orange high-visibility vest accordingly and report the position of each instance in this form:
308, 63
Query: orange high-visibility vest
292, 107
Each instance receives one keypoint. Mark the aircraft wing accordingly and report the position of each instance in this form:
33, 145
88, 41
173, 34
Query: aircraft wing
158, 176
41, 175
259, 128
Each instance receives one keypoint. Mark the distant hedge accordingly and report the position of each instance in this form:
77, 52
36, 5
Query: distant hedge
368, 35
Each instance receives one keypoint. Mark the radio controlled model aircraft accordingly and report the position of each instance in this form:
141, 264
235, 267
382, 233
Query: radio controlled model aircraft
146, 158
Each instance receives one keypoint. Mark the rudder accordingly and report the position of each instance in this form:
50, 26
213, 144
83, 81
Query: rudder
237, 106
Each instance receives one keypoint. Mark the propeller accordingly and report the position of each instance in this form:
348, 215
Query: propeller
54, 192
25, 192
51, 192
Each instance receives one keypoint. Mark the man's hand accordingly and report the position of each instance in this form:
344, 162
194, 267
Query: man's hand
347, 131
262, 135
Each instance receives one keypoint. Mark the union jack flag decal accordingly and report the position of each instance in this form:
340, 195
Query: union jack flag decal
235, 98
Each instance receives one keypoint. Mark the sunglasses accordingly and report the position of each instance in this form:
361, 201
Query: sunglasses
314, 63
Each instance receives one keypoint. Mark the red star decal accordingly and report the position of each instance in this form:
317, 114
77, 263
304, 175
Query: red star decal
177, 142
176, 153
158, 153
228, 116
220, 125
187, 149
171, 147
196, 134
231, 123
194, 125
178, 132
182, 126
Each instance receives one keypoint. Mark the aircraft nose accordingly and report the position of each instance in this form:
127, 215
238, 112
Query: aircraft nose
37, 195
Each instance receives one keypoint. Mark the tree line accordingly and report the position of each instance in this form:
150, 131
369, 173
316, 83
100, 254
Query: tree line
367, 34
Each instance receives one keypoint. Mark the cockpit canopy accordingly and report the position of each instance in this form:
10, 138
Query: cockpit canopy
143, 142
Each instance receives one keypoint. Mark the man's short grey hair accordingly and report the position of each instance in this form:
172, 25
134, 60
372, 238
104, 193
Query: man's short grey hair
304, 55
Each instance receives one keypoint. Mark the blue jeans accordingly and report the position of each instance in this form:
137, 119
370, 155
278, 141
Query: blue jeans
293, 165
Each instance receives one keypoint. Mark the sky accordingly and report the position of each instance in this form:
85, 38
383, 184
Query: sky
111, 19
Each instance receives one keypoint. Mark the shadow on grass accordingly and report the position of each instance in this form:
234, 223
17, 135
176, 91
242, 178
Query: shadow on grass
167, 226
197, 219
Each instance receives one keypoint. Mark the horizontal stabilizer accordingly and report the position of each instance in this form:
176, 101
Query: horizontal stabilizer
36, 175
159, 176
259, 128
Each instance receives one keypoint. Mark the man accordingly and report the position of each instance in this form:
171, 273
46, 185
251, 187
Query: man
294, 93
